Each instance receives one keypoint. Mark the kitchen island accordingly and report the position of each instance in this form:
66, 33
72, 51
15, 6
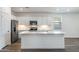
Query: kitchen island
42, 40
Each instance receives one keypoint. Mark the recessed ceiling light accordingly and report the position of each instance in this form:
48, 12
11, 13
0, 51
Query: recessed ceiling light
57, 9
21, 9
68, 10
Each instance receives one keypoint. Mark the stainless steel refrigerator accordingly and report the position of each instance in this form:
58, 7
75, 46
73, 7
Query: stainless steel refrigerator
14, 31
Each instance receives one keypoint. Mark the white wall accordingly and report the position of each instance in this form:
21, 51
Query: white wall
70, 24
5, 26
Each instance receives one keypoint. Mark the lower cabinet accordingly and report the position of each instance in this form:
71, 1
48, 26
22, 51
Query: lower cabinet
42, 41
31, 41
53, 41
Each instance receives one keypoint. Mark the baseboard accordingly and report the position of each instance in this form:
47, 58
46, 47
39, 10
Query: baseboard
4, 46
71, 37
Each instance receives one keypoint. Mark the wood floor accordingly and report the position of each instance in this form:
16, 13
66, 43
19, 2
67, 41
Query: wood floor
71, 45
15, 47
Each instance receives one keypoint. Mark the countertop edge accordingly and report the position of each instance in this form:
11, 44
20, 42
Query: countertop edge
26, 33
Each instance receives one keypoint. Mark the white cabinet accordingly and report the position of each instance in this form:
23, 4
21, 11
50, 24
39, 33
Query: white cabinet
43, 41
52, 41
31, 42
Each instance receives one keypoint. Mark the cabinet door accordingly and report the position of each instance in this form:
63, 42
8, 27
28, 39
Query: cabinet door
52, 41
31, 41
42, 41
48, 41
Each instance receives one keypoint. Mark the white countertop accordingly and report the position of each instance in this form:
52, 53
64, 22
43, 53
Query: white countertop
33, 32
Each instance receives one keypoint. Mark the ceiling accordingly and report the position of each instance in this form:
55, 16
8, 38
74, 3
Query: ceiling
46, 9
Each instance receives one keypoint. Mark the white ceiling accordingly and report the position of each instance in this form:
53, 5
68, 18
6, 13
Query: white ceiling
46, 9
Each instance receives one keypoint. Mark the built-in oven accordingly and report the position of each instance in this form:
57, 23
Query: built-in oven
33, 25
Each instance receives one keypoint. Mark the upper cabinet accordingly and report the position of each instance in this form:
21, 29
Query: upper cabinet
55, 22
